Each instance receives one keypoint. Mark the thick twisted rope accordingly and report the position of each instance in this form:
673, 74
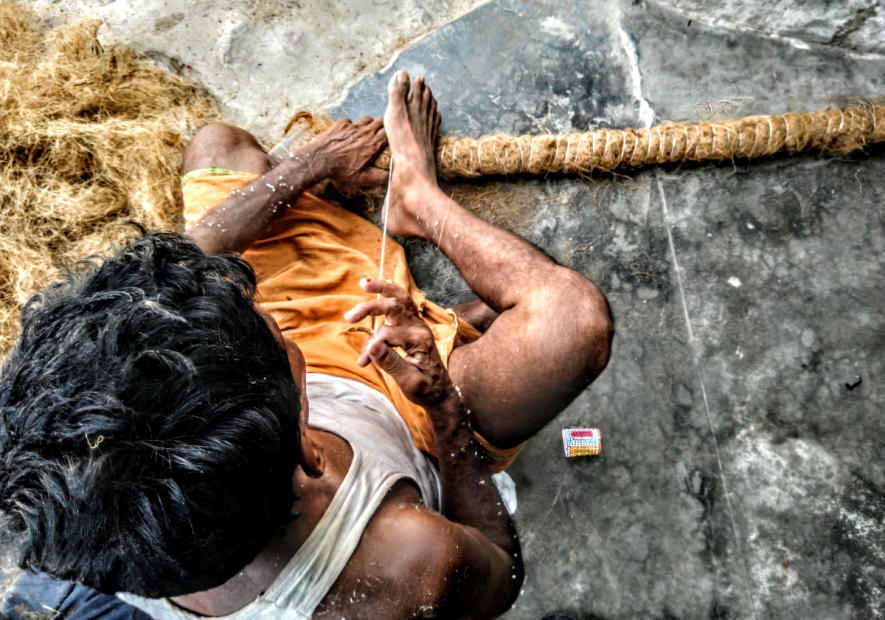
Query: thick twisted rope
830, 131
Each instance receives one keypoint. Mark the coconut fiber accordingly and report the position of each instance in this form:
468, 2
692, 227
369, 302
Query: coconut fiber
833, 131
90, 138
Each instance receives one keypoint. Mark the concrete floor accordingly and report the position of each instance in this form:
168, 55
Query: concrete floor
740, 476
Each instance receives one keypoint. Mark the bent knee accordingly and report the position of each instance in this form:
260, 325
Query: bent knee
585, 318
219, 145
218, 136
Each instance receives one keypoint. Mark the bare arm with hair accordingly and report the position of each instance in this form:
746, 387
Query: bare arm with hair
343, 153
475, 548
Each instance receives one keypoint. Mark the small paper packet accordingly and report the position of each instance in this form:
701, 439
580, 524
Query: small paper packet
581, 441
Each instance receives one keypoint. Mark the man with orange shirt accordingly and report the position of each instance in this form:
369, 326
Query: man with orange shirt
316, 443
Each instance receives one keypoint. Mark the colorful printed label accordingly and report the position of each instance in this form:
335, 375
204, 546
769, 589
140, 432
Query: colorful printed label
581, 441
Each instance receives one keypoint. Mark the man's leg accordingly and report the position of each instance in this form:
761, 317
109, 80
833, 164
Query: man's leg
553, 335
222, 146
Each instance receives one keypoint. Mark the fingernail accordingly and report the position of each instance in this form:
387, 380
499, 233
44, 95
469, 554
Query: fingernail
401, 77
364, 280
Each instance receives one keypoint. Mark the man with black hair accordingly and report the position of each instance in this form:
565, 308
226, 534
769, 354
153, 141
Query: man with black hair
312, 442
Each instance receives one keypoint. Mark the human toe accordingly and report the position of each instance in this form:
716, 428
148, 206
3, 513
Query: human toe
398, 88
416, 97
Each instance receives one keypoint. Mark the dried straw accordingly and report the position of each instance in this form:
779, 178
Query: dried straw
832, 131
90, 138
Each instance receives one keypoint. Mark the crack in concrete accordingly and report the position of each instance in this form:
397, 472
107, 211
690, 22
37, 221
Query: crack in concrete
646, 114
695, 357
310, 57
796, 42
851, 26
336, 101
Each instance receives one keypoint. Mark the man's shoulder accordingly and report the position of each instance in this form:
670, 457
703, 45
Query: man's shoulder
407, 536
404, 562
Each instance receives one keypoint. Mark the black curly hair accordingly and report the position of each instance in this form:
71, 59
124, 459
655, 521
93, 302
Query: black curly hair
149, 423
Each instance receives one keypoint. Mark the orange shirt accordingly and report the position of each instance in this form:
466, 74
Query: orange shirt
309, 263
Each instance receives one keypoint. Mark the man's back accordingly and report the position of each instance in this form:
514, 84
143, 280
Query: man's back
375, 474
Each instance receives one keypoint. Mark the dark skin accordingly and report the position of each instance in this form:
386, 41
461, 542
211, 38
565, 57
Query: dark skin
542, 321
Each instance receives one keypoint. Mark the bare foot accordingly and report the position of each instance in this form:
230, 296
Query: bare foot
411, 122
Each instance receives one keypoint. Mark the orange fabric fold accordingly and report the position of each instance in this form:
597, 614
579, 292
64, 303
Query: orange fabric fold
309, 264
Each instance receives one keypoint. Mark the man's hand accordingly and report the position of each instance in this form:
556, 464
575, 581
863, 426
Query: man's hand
470, 496
343, 154
420, 374
345, 151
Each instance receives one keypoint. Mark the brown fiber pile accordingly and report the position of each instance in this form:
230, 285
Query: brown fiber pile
90, 138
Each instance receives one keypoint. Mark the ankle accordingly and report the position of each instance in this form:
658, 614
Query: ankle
418, 191
428, 207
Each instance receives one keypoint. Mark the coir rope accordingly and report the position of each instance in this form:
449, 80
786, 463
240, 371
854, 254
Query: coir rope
830, 131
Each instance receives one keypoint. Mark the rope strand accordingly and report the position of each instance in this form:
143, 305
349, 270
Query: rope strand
612, 149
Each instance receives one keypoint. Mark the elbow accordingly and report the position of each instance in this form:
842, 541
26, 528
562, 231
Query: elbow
511, 579
501, 596
517, 578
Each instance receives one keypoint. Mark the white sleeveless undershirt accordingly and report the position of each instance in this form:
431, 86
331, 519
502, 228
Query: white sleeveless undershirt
383, 453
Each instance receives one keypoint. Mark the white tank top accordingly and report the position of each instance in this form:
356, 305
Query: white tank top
383, 453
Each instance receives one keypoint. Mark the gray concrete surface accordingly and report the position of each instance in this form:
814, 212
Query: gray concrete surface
740, 478
266, 59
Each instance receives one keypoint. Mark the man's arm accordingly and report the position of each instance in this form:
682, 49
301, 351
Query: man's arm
342, 154
420, 564
412, 562
470, 496
486, 571
480, 563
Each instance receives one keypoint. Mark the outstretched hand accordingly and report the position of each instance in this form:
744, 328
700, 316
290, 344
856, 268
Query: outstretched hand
420, 373
345, 151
